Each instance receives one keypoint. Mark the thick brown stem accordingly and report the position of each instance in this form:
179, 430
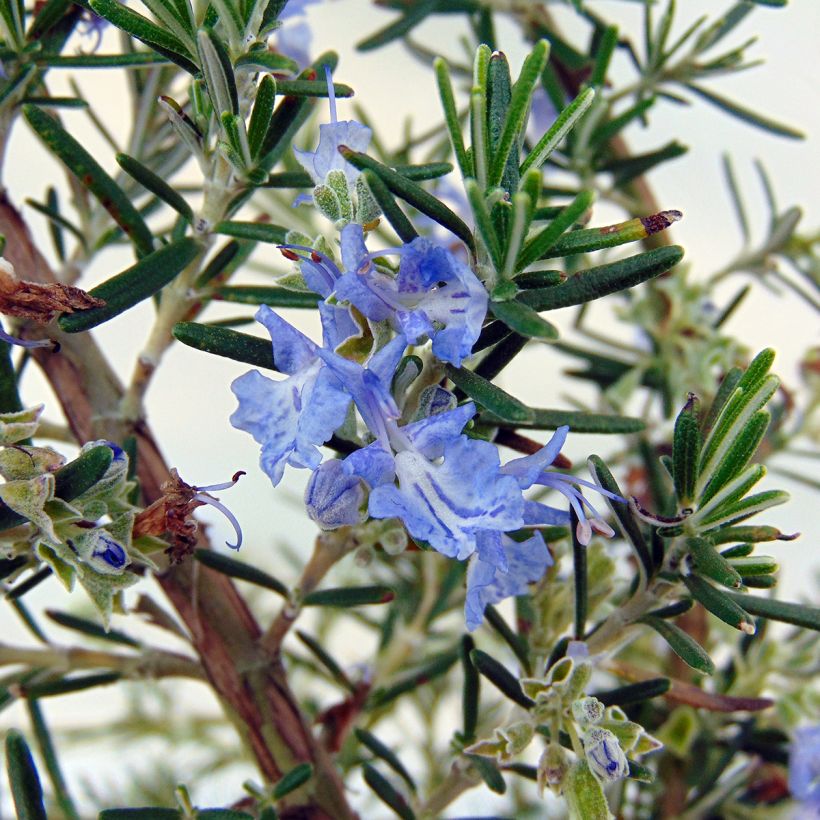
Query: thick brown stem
252, 687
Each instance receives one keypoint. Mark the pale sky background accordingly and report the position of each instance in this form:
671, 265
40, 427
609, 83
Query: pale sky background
190, 400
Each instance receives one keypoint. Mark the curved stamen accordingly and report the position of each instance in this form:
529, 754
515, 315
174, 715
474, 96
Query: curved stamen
28, 343
225, 485
204, 498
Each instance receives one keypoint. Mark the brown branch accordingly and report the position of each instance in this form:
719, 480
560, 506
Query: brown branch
251, 686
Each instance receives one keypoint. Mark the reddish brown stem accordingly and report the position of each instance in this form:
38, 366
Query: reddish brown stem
252, 687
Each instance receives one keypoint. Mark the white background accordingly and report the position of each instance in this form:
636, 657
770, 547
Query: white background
190, 400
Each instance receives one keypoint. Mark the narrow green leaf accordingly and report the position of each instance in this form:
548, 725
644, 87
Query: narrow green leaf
558, 130
156, 185
256, 231
26, 790
524, 320
264, 295
137, 59
605, 48
350, 596
379, 749
627, 522
719, 604
231, 344
470, 690
392, 212
726, 390
642, 774
414, 15
605, 132
579, 422
708, 561
634, 692
747, 507
579, 578
807, 617
682, 644
321, 654
500, 677
492, 398
8, 566
91, 175
66, 686
451, 120
500, 356
26, 586
145, 31
602, 280
387, 793
517, 110
686, 446
134, 284
430, 670
625, 169
738, 454
260, 59
610, 236
516, 642
754, 534
218, 72
489, 773
414, 194
261, 114
745, 114
424, 170
226, 565
90, 628
49, 756
49, 14
673, 610
311, 88
545, 239
483, 222
55, 102
296, 777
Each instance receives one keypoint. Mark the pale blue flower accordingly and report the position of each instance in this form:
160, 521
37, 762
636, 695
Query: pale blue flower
449, 502
293, 37
531, 470
326, 157
605, 756
488, 584
804, 771
292, 417
433, 295
333, 497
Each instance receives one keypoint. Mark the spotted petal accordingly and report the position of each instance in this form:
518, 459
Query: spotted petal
448, 503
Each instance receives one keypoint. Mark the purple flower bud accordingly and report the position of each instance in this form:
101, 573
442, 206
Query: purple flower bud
333, 497
604, 755
110, 551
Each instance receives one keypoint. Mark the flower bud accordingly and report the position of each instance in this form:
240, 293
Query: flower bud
587, 710
552, 768
333, 497
606, 759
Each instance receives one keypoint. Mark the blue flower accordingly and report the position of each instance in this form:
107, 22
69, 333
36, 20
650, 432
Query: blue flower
449, 503
333, 497
804, 770
293, 38
326, 157
489, 584
605, 756
292, 417
531, 470
434, 294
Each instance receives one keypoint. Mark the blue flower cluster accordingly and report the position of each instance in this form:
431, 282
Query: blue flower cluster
414, 462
